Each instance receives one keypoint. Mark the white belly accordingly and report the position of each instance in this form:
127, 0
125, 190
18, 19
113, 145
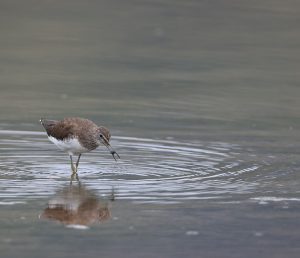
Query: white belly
72, 146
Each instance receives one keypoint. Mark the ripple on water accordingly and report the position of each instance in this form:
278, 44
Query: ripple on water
152, 170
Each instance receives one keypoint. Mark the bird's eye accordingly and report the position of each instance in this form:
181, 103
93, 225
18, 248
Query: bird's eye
101, 135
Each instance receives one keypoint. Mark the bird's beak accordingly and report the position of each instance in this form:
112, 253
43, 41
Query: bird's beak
111, 150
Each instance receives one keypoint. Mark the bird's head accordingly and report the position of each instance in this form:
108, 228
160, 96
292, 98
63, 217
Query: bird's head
104, 137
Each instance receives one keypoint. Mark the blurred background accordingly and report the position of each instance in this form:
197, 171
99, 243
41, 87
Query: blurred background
144, 67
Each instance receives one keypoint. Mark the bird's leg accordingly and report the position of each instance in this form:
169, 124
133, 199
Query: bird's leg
74, 170
74, 177
77, 163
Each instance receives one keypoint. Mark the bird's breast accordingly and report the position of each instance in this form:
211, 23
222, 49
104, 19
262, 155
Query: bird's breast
70, 145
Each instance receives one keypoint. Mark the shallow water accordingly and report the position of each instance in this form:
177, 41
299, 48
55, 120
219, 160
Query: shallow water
150, 170
202, 100
161, 194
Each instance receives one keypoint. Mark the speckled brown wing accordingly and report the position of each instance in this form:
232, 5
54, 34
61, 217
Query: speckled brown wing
86, 131
57, 129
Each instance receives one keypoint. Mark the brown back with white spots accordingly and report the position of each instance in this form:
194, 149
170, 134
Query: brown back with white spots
86, 131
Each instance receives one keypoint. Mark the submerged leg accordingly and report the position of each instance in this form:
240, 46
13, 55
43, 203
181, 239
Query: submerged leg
72, 165
74, 177
77, 163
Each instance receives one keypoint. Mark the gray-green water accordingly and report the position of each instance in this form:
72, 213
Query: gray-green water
202, 99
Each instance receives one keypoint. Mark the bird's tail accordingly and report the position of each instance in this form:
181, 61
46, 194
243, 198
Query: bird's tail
48, 123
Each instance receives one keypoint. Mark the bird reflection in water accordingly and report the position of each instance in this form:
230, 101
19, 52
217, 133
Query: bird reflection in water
77, 205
